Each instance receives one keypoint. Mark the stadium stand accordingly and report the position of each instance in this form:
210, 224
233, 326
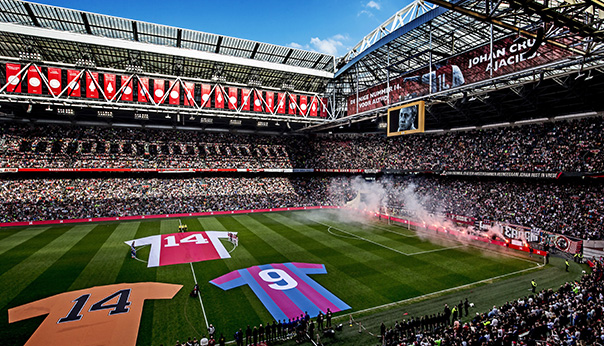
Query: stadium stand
561, 146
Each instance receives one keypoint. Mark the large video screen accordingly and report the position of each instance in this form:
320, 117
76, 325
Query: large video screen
406, 119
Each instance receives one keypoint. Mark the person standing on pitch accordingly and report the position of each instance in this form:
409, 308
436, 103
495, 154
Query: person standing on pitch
567, 265
533, 285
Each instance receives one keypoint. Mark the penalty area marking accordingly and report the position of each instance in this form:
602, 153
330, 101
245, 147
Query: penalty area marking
395, 232
199, 294
442, 291
384, 246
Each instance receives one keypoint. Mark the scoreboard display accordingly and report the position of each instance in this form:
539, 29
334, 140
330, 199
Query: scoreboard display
406, 119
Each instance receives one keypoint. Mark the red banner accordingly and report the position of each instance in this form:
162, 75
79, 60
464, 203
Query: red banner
270, 101
206, 91
281, 103
13, 81
292, 104
219, 97
54, 80
258, 101
245, 97
470, 67
127, 91
34, 82
143, 89
314, 105
110, 85
159, 86
303, 104
232, 98
189, 91
324, 107
73, 83
174, 98
92, 80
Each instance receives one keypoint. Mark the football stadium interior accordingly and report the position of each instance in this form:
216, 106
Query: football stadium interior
438, 184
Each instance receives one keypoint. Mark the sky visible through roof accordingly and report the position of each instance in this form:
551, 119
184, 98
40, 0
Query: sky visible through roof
327, 26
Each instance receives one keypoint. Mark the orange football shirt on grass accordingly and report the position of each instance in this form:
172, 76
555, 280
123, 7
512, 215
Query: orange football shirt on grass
102, 315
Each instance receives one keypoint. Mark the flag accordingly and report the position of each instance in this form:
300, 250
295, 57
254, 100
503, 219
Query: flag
158, 90
292, 104
13, 79
143, 89
206, 89
54, 80
127, 90
219, 97
73, 83
303, 104
314, 105
270, 101
174, 98
34, 83
232, 98
281, 103
92, 80
245, 96
258, 101
189, 94
110, 86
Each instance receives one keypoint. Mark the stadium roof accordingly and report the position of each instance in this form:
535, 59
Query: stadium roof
71, 36
421, 34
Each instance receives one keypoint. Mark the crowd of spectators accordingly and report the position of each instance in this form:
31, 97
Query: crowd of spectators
572, 208
572, 315
47, 199
561, 146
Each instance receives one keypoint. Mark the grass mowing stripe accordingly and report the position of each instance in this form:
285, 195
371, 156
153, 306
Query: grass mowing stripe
169, 315
251, 251
135, 271
24, 273
354, 281
16, 238
12, 257
104, 267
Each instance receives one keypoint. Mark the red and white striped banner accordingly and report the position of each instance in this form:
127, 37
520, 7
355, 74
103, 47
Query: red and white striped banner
189, 91
92, 82
73, 83
110, 85
159, 86
174, 98
13, 79
127, 91
143, 89
34, 82
54, 80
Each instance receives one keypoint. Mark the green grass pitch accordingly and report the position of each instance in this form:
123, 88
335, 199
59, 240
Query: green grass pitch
368, 265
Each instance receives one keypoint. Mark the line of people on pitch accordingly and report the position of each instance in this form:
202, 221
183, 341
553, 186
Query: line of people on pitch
300, 328
209, 340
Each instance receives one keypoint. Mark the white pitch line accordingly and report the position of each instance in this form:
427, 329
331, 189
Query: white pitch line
436, 250
365, 239
199, 293
441, 291
395, 232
